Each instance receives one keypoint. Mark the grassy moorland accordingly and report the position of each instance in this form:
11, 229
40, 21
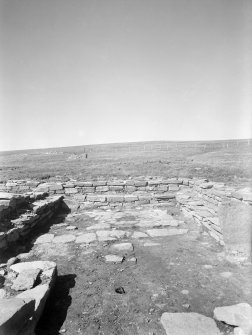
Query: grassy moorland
227, 161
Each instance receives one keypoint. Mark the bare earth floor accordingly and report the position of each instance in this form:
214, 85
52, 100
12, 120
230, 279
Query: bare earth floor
167, 265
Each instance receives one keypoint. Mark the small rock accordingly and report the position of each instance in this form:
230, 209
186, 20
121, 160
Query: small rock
186, 306
208, 266
71, 228
132, 259
226, 274
113, 259
120, 290
185, 292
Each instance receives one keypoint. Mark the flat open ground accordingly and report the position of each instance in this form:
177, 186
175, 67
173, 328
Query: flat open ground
225, 161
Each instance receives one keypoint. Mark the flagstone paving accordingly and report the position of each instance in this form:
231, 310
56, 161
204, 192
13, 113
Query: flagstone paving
120, 270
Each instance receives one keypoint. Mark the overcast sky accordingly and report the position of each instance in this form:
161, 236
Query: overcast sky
78, 72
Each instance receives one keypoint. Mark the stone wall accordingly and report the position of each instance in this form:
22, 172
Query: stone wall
199, 199
203, 201
96, 186
40, 210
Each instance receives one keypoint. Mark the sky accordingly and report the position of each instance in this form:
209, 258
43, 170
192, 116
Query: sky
76, 72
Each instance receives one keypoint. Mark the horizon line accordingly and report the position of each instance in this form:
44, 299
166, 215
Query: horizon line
130, 142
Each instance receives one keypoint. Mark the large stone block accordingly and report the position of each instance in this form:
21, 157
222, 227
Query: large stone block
116, 188
236, 225
102, 188
15, 313
130, 188
100, 183
71, 190
115, 198
141, 183
88, 190
96, 198
116, 183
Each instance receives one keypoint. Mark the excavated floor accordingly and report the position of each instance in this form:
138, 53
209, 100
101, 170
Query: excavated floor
168, 265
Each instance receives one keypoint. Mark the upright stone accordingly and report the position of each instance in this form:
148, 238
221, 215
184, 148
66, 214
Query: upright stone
236, 225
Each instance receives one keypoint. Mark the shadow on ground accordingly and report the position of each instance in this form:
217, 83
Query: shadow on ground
56, 307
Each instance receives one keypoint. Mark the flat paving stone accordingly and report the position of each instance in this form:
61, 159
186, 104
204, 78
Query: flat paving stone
150, 244
46, 238
99, 226
188, 324
86, 238
139, 234
113, 259
111, 235
64, 239
122, 247
166, 232
172, 223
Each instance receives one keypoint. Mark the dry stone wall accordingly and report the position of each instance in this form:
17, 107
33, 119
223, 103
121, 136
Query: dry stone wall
38, 212
199, 199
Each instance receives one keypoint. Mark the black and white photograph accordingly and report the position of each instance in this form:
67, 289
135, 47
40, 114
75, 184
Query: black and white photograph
125, 167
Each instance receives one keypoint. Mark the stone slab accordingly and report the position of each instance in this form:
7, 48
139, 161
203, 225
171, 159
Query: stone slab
86, 238
106, 235
188, 324
236, 225
15, 312
166, 232
99, 226
25, 280
64, 238
46, 238
42, 265
113, 259
122, 247
139, 234
236, 315
39, 294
